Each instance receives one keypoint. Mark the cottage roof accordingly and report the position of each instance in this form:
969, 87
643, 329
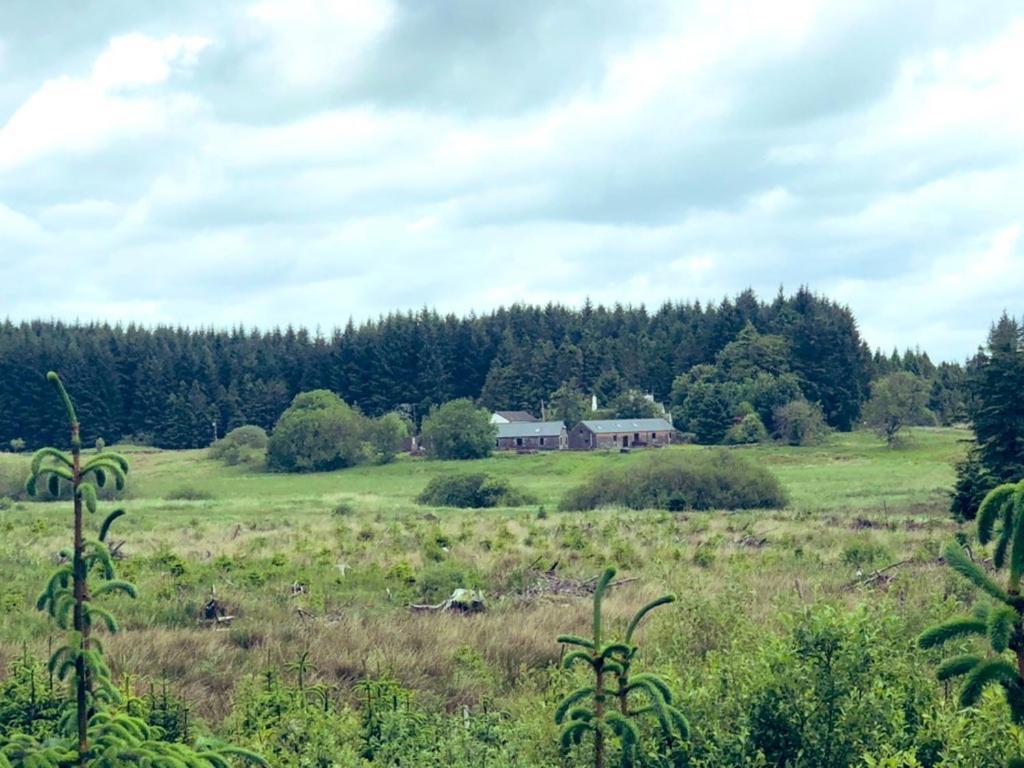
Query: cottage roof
611, 426
517, 415
530, 429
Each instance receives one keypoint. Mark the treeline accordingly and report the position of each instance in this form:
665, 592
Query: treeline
995, 408
174, 387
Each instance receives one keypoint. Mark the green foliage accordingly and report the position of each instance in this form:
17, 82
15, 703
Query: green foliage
634, 404
458, 430
318, 432
973, 482
1001, 522
800, 423
29, 702
385, 436
17, 445
569, 403
996, 403
898, 400
608, 708
242, 445
97, 728
709, 480
476, 491
749, 429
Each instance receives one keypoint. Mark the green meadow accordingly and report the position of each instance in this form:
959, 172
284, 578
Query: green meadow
330, 563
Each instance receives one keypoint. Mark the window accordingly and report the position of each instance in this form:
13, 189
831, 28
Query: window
636, 437
542, 441
519, 441
654, 436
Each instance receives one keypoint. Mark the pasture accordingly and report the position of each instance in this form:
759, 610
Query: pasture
329, 563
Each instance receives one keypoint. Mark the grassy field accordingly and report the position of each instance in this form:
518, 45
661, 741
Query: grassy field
330, 562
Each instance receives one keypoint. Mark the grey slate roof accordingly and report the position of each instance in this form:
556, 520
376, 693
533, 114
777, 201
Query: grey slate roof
517, 415
609, 426
530, 429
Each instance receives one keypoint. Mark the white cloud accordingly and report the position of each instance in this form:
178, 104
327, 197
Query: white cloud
85, 114
306, 160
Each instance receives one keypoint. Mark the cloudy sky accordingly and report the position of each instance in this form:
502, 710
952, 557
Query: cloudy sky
305, 161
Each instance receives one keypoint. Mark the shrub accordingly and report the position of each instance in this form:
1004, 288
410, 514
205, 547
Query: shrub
473, 491
17, 445
318, 432
898, 400
385, 436
12, 479
800, 423
242, 445
749, 429
709, 480
605, 710
973, 482
459, 430
188, 493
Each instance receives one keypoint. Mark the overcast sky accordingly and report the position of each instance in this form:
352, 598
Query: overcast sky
304, 161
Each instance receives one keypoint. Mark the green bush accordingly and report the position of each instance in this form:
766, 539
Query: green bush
459, 430
749, 429
709, 480
318, 432
800, 423
474, 491
188, 493
242, 445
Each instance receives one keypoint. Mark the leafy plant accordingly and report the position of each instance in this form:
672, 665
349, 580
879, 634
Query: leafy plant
1000, 621
475, 490
101, 732
611, 663
708, 480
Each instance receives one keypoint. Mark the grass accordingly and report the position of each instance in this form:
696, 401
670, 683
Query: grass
329, 563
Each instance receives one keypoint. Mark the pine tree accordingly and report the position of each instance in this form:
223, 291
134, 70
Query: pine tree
1000, 620
102, 734
606, 709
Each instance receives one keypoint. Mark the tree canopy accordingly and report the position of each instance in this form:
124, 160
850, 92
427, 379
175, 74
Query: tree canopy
170, 386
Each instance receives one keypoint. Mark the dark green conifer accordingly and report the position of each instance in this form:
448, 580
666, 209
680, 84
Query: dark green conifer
608, 708
102, 733
999, 620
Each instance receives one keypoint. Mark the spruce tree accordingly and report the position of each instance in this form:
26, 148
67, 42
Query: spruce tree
101, 732
998, 620
606, 709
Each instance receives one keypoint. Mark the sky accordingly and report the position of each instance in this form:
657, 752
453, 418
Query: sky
306, 161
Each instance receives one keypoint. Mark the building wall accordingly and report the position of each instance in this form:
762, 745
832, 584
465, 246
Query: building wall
582, 439
533, 443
